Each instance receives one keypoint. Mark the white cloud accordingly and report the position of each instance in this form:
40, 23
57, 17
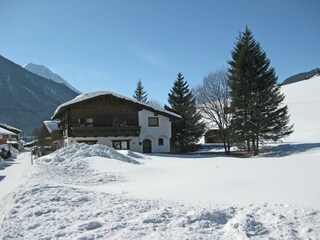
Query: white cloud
152, 57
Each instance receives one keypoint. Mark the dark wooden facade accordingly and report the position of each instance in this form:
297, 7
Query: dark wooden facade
102, 116
48, 141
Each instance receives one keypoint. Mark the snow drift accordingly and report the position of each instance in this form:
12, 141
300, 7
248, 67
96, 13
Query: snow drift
80, 151
70, 165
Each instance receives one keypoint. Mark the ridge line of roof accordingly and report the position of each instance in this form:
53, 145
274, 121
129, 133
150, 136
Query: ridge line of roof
86, 96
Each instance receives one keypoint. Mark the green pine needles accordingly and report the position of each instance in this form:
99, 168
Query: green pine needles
187, 131
140, 94
256, 102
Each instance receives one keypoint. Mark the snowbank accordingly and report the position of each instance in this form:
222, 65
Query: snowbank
14, 152
46, 211
70, 165
80, 151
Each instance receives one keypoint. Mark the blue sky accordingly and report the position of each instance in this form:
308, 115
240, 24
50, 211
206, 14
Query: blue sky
110, 45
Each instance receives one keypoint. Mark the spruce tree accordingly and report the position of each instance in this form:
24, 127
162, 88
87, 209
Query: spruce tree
140, 94
187, 131
256, 102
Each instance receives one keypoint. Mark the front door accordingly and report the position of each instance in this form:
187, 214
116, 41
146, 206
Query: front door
147, 146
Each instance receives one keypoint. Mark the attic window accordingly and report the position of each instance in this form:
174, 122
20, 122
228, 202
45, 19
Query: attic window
153, 121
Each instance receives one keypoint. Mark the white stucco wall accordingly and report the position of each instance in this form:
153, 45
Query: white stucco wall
134, 141
154, 133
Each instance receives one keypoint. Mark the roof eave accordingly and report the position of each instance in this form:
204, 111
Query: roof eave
65, 105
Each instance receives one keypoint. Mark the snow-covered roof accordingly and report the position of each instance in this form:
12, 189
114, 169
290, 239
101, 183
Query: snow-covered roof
51, 125
6, 132
10, 128
86, 96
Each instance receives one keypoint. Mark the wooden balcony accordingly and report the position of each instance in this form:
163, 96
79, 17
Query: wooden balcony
105, 131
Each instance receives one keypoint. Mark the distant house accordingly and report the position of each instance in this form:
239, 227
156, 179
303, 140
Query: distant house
49, 137
213, 136
10, 135
5, 135
12, 129
212, 133
116, 121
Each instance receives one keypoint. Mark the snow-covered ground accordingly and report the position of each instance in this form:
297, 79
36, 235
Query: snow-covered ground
303, 100
94, 192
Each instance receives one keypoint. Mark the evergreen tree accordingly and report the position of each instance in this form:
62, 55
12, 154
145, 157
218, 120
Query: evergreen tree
140, 94
256, 101
187, 131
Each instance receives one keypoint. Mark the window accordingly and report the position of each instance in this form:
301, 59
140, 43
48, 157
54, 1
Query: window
116, 144
153, 121
160, 141
89, 122
121, 145
81, 122
85, 122
89, 142
124, 145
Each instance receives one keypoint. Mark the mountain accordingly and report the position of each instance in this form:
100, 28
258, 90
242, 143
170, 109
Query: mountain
301, 76
26, 99
47, 73
303, 100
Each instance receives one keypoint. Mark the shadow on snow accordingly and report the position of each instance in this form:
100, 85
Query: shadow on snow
287, 149
281, 150
2, 177
7, 163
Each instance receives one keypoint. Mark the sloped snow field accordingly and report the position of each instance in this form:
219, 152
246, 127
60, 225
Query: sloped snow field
94, 192
61, 200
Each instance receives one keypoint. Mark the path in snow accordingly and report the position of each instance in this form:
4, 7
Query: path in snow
13, 173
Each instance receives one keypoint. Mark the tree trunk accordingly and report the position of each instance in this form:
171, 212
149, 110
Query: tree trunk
228, 146
248, 145
254, 145
228, 141
257, 144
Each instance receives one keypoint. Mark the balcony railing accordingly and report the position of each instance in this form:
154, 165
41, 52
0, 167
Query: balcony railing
105, 131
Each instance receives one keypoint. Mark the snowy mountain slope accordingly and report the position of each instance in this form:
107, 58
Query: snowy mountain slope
26, 99
303, 100
47, 73
301, 76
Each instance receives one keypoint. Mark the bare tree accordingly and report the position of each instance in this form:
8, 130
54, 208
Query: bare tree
213, 101
155, 103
